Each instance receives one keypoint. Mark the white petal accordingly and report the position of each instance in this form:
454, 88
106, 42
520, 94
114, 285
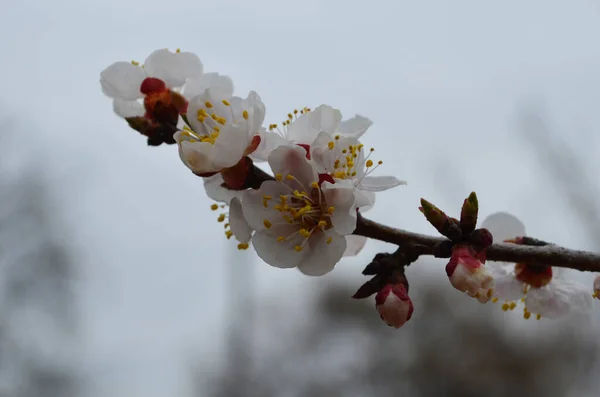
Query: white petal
127, 109
215, 81
340, 195
173, 68
355, 127
364, 200
323, 157
197, 156
253, 204
122, 80
547, 302
354, 244
291, 160
323, 257
279, 254
215, 190
257, 110
380, 183
269, 141
508, 288
503, 226
239, 227
230, 146
306, 127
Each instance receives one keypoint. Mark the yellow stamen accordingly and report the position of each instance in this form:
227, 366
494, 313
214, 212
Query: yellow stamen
298, 248
331, 145
228, 233
208, 104
280, 239
214, 207
330, 210
245, 114
278, 177
225, 102
369, 163
267, 223
135, 63
221, 218
243, 246
329, 240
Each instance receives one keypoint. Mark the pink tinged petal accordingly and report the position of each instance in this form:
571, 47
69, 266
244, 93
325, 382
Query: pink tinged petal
269, 141
355, 127
173, 68
230, 146
122, 80
380, 183
277, 253
394, 305
324, 251
340, 196
291, 160
239, 227
127, 109
503, 226
215, 190
306, 128
354, 244
467, 274
255, 211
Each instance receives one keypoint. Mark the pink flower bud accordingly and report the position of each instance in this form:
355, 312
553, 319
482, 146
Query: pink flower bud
394, 305
597, 287
467, 274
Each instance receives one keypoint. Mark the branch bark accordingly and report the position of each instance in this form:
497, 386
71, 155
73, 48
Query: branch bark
550, 254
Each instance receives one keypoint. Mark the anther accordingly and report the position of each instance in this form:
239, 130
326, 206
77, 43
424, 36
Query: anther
214, 207
267, 223
208, 104
243, 246
245, 114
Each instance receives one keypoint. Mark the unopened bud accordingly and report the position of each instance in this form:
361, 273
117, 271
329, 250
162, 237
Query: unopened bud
447, 226
481, 239
467, 274
394, 305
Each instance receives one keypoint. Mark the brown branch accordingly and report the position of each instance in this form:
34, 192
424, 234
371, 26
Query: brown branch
550, 254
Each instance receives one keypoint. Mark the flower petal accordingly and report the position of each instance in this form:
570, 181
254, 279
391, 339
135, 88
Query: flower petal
215, 190
253, 206
230, 146
365, 200
122, 80
323, 257
340, 196
197, 156
291, 160
127, 109
504, 226
508, 288
306, 127
380, 183
220, 83
278, 254
239, 227
354, 244
269, 141
355, 127
173, 68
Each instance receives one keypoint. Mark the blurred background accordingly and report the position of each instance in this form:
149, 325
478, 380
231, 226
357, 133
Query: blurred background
116, 279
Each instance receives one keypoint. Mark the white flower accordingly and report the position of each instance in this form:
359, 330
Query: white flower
233, 219
343, 158
224, 129
162, 70
302, 127
394, 305
542, 292
299, 221
467, 274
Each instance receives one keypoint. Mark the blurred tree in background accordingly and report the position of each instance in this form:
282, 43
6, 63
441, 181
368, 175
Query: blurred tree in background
453, 349
37, 312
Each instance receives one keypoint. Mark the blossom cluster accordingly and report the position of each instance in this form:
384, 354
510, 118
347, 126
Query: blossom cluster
304, 213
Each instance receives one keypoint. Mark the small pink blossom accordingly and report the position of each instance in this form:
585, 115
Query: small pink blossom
394, 305
467, 274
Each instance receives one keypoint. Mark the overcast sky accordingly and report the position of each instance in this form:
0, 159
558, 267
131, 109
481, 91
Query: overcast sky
440, 79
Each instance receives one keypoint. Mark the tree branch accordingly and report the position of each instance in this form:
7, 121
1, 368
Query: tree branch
549, 255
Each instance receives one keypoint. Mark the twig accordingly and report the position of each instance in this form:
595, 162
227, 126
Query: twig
550, 255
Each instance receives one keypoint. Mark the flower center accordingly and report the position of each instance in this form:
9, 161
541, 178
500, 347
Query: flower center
351, 160
535, 276
212, 123
303, 208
